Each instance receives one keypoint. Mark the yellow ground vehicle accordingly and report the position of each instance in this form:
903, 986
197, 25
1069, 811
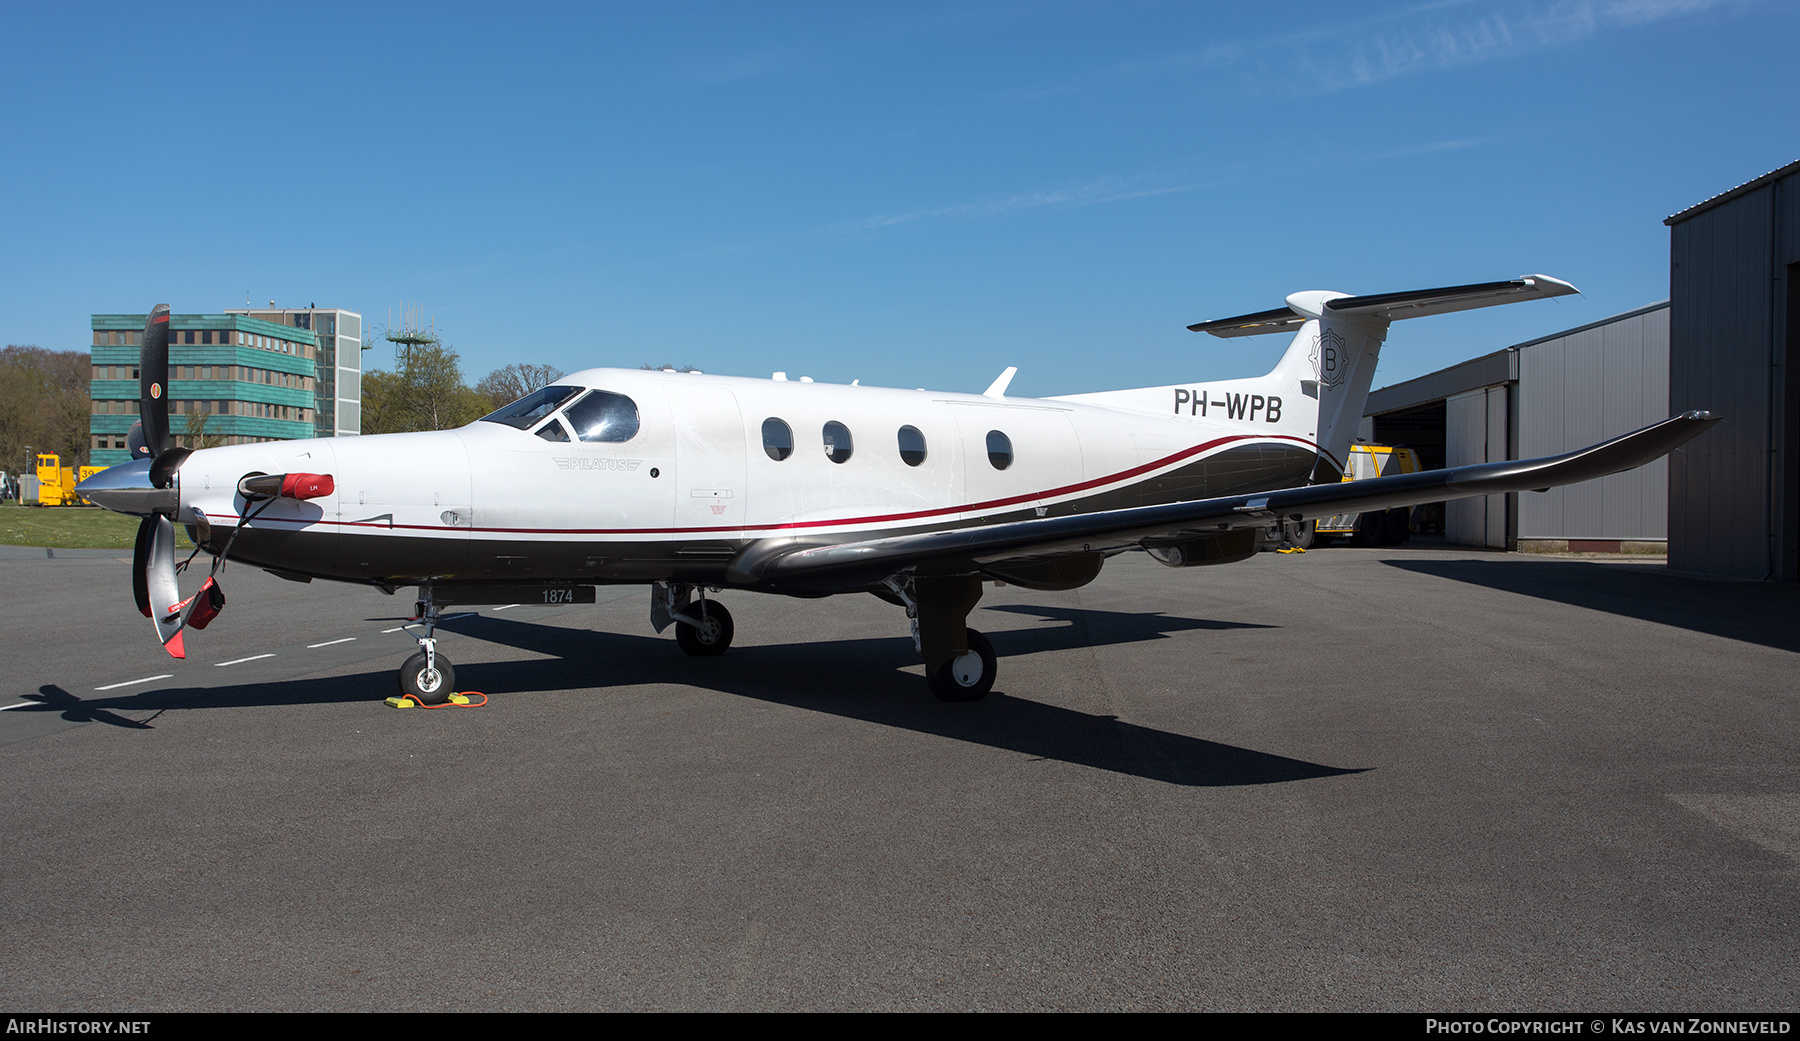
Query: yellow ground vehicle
1384, 527
56, 482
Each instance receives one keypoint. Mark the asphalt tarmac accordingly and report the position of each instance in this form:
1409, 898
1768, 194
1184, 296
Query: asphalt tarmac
1406, 779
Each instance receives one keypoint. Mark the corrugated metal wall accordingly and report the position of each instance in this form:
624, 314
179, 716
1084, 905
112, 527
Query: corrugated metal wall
1476, 431
1579, 389
1732, 508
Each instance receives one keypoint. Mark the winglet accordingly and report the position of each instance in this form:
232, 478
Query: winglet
997, 389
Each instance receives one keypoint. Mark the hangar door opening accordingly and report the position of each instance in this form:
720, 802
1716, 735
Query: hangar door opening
1422, 430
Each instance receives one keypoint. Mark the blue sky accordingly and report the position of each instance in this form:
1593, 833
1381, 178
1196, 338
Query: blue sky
909, 194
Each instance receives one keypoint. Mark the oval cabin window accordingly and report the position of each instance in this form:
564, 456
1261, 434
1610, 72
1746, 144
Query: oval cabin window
999, 448
837, 442
912, 446
778, 439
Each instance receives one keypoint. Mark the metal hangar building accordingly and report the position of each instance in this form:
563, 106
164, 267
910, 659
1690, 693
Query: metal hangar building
1727, 340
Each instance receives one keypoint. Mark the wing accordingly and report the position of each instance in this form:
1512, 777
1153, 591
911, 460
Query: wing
793, 565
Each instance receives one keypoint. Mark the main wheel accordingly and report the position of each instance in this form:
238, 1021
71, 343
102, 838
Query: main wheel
431, 686
713, 639
969, 676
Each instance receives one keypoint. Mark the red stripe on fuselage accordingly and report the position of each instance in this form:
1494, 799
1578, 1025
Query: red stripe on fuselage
1123, 475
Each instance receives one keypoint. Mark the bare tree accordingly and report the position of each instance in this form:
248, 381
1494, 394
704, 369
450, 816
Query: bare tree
198, 436
512, 382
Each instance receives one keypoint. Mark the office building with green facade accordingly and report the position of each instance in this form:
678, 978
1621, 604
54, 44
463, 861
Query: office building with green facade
233, 379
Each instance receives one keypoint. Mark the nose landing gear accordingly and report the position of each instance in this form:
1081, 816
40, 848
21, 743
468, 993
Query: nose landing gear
704, 627
427, 676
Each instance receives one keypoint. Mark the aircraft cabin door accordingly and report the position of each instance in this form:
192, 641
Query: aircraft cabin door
709, 456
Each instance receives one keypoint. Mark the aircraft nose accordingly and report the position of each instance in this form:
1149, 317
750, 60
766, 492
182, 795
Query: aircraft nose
126, 488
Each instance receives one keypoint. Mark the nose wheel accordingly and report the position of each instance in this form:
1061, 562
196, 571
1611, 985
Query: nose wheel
713, 633
429, 679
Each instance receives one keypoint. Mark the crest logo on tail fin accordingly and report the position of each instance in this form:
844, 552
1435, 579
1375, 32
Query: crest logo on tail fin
1328, 357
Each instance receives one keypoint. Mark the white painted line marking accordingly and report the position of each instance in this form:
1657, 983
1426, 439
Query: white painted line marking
504, 608
21, 704
127, 683
328, 643
399, 629
240, 661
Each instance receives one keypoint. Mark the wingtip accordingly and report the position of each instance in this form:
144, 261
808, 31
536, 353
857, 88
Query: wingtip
1548, 285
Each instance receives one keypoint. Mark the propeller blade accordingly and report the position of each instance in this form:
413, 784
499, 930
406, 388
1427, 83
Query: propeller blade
159, 579
153, 381
140, 565
162, 471
135, 441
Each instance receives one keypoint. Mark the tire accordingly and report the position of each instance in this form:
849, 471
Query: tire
958, 680
430, 687
1301, 535
704, 643
1368, 530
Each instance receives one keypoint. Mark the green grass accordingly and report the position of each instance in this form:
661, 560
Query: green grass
71, 527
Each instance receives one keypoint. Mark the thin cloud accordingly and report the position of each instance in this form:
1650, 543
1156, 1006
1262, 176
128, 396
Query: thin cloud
1436, 43
1416, 40
733, 69
1091, 194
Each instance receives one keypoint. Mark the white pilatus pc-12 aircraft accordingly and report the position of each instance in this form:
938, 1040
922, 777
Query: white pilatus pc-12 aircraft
688, 483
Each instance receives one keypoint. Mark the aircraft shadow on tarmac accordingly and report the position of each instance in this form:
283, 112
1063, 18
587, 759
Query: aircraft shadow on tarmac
859, 679
1765, 613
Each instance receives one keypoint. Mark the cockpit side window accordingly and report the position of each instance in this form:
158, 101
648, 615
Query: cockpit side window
525, 412
553, 431
602, 416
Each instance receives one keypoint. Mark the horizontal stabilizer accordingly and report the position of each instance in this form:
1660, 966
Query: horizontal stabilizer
1387, 307
1282, 319
1418, 304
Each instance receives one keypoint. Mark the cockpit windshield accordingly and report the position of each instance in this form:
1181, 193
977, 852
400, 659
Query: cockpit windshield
531, 408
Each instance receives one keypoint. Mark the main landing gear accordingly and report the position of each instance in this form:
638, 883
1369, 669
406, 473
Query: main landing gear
969, 675
427, 676
704, 627
959, 662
